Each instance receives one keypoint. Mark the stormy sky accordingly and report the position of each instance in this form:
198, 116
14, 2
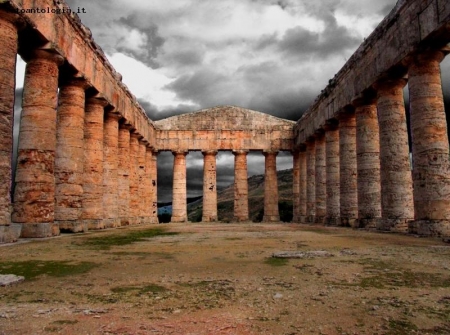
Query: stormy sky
273, 56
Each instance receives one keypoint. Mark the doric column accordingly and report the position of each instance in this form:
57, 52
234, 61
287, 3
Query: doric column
271, 213
154, 187
8, 30
321, 178
134, 179
179, 205
397, 206
310, 180
123, 174
303, 184
209, 186
368, 163
92, 200
296, 186
110, 164
69, 158
332, 171
348, 170
143, 186
34, 197
240, 186
430, 147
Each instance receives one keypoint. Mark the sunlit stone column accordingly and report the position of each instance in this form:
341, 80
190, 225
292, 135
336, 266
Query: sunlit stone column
142, 182
69, 159
123, 174
368, 163
154, 187
135, 197
8, 31
240, 186
397, 206
348, 170
332, 171
430, 147
310, 181
209, 186
179, 204
34, 197
296, 186
271, 213
321, 178
110, 164
303, 184
92, 200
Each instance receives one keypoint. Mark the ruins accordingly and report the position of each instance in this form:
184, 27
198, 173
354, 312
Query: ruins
88, 153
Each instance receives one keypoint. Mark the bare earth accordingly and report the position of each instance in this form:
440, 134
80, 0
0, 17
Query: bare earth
222, 279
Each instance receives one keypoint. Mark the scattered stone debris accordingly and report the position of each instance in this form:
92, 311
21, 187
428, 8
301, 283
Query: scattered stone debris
348, 252
302, 254
6, 280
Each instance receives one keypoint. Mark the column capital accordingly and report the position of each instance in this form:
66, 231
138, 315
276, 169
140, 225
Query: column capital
430, 55
209, 153
331, 124
270, 152
97, 101
14, 18
47, 54
240, 152
76, 81
390, 83
364, 100
136, 136
126, 126
112, 115
180, 152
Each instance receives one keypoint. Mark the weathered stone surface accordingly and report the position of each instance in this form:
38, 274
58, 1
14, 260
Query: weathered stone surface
179, 205
310, 181
209, 186
6, 280
296, 187
332, 175
142, 188
240, 186
397, 207
34, 197
270, 187
148, 195
134, 179
321, 175
302, 254
123, 175
154, 186
303, 185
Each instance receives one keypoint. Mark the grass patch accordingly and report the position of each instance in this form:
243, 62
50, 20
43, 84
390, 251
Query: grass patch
65, 322
33, 269
400, 327
276, 261
106, 242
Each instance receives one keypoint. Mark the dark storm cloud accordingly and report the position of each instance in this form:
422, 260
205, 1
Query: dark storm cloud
155, 113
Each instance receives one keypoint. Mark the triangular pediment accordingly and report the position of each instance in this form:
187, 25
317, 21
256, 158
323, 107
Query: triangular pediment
224, 118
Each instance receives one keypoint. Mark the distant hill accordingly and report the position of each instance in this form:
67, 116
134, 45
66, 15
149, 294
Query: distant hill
225, 199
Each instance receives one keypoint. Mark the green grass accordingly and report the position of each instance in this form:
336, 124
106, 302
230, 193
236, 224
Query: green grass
276, 261
400, 327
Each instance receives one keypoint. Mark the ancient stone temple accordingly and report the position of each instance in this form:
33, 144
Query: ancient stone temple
88, 153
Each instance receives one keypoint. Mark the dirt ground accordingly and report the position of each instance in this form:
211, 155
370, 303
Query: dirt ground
222, 279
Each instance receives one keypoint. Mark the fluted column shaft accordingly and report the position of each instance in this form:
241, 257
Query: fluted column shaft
8, 30
34, 197
148, 185
303, 185
209, 186
271, 213
368, 164
332, 171
134, 179
240, 186
142, 189
92, 200
69, 158
310, 181
430, 147
296, 186
321, 178
154, 187
179, 204
397, 206
348, 170
123, 175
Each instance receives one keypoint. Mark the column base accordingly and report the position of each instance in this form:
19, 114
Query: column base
209, 218
95, 224
369, 223
332, 221
319, 219
348, 222
394, 225
241, 219
437, 228
39, 230
178, 219
10, 233
78, 226
112, 223
271, 218
124, 222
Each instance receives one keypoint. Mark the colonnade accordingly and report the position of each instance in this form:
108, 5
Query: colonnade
361, 176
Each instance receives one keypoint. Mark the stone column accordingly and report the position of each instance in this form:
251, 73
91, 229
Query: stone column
123, 174
348, 170
92, 200
134, 179
8, 30
69, 158
332, 172
368, 163
310, 180
296, 186
397, 206
179, 205
430, 147
321, 178
240, 186
271, 213
303, 185
110, 164
148, 189
143, 186
209, 186
34, 197
154, 187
